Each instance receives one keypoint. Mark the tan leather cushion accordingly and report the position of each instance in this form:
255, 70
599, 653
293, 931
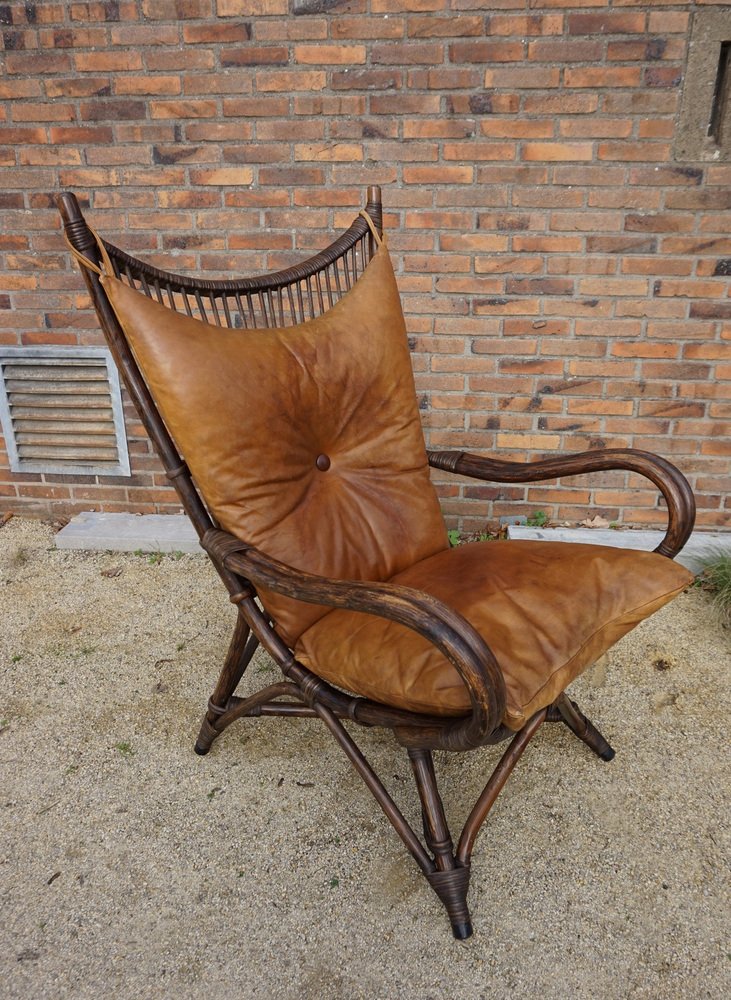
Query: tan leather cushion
251, 411
546, 609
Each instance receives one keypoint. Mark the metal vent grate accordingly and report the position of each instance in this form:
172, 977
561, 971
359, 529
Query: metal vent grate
61, 411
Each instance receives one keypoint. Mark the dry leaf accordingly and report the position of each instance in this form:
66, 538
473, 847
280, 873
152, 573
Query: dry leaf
595, 522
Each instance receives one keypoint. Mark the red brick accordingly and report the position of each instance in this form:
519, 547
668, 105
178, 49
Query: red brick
112, 109
368, 79
223, 176
151, 83
215, 34
600, 128
444, 79
22, 136
564, 51
485, 51
521, 264
606, 23
666, 22
438, 175
557, 151
326, 105
560, 104
361, 28
523, 78
645, 350
530, 24
135, 35
36, 63
453, 26
425, 129
539, 286
183, 109
290, 80
292, 29
255, 107
79, 87
529, 442
329, 152
183, 59
603, 76
645, 49
39, 112
542, 197
406, 53
107, 62
291, 176
248, 55
547, 244
49, 155
282, 130
513, 128
250, 8
330, 54
14, 90
478, 151
710, 352
483, 103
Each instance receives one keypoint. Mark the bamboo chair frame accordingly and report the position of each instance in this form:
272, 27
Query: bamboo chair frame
290, 296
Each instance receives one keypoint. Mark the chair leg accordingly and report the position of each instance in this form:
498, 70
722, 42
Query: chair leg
448, 872
450, 880
242, 648
495, 785
577, 722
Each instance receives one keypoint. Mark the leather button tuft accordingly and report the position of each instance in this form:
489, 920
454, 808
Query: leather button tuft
323, 463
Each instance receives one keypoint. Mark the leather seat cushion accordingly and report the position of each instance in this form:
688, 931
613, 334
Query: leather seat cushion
546, 609
251, 411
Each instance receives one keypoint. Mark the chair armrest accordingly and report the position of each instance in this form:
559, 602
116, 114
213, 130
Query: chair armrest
444, 628
670, 481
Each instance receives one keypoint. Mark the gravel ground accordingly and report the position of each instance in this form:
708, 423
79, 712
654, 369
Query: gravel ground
130, 868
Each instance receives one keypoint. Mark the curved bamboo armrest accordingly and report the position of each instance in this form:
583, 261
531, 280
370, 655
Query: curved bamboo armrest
444, 628
670, 481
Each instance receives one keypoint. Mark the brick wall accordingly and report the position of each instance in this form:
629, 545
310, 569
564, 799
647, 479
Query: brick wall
563, 277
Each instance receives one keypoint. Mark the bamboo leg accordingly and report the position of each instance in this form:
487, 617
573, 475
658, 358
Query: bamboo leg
582, 727
494, 786
449, 873
371, 779
451, 880
242, 648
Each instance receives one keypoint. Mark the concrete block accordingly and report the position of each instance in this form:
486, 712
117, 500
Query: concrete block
129, 533
700, 547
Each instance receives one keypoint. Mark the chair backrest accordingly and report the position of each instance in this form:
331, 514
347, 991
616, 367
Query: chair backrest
281, 298
291, 398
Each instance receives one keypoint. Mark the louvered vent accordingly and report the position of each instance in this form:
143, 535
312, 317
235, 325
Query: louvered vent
61, 411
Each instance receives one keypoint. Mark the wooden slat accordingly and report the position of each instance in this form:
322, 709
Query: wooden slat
71, 455
62, 409
56, 371
63, 427
47, 389
50, 441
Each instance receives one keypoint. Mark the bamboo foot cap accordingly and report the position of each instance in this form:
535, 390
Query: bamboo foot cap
462, 930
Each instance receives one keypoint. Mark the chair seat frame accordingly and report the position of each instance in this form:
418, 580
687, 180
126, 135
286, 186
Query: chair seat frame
243, 568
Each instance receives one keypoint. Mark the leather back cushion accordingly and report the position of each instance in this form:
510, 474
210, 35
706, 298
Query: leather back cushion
252, 410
